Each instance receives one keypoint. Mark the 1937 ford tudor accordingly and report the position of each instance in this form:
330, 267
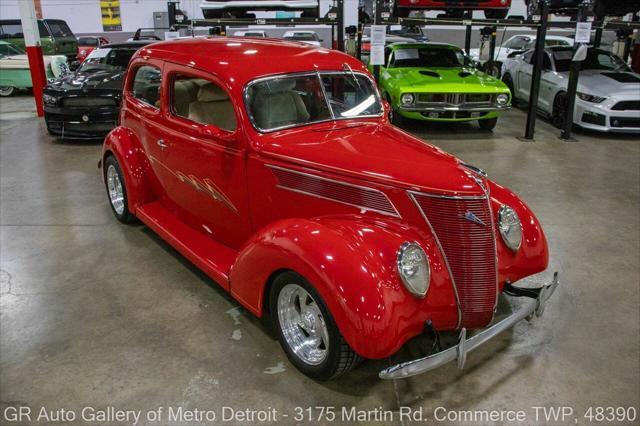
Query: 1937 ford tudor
273, 167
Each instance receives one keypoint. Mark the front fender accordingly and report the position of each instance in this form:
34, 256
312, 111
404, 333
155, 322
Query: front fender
123, 144
533, 256
351, 262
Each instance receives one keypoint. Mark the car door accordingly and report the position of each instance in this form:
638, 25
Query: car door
205, 155
141, 115
548, 83
523, 75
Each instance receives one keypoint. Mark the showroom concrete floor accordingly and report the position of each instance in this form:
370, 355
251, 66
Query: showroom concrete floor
94, 313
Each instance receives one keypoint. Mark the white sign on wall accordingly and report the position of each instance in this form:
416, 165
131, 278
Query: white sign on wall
378, 39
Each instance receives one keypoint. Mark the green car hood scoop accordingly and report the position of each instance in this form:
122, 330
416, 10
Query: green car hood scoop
429, 73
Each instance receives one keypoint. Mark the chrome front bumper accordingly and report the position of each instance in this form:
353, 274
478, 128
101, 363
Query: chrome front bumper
459, 352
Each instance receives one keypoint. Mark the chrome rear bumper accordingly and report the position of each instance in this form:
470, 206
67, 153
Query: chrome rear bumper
459, 352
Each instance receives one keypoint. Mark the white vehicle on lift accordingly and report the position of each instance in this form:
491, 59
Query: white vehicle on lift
608, 96
519, 43
304, 36
239, 8
250, 33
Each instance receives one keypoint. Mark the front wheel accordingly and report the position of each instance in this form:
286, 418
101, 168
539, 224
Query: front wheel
7, 90
496, 13
559, 110
306, 330
488, 124
116, 190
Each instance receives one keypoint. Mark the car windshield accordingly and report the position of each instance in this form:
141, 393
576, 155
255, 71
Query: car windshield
87, 41
303, 36
301, 99
7, 49
435, 57
108, 59
59, 29
596, 60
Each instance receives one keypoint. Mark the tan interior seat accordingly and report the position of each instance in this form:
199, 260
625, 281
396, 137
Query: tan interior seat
185, 91
277, 104
212, 106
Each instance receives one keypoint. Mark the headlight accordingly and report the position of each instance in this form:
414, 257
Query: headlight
48, 99
510, 227
413, 267
502, 99
590, 98
407, 99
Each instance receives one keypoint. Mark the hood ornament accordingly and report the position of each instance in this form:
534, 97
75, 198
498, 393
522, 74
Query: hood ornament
471, 217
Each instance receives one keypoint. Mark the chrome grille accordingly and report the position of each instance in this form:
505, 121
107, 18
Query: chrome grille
329, 189
469, 248
456, 98
81, 101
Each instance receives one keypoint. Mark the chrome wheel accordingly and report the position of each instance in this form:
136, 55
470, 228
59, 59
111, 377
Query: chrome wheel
303, 325
6, 90
114, 186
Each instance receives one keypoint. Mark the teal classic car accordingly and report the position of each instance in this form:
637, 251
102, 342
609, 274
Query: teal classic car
437, 82
14, 68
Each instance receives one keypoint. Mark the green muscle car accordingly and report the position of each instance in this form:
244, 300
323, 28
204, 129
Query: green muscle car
435, 81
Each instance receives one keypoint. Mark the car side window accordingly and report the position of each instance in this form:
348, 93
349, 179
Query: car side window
146, 85
527, 57
203, 102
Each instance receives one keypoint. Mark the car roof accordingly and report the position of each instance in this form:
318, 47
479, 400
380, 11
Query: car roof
133, 43
238, 60
403, 44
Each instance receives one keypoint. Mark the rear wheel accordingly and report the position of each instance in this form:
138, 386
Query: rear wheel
401, 12
488, 124
455, 13
306, 330
559, 110
496, 13
116, 190
7, 90
212, 14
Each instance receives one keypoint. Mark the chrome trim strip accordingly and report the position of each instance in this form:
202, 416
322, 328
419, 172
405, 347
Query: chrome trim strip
364, 188
412, 195
451, 197
464, 346
461, 108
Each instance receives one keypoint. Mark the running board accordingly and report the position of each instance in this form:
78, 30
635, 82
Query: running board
213, 258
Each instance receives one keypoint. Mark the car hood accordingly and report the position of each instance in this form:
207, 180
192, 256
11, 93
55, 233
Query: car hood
371, 151
446, 80
608, 83
92, 80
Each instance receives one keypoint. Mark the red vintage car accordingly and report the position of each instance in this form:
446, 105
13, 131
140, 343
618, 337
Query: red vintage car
273, 167
493, 9
87, 44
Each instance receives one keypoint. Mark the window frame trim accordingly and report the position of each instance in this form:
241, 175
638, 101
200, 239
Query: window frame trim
135, 67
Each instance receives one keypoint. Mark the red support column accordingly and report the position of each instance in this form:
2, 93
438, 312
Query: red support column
34, 51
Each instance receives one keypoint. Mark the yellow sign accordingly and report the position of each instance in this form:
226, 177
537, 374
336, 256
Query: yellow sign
111, 15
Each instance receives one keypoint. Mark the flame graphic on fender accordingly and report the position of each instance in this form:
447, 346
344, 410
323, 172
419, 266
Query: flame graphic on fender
205, 185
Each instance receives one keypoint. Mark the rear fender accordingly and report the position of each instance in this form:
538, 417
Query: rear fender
124, 145
351, 262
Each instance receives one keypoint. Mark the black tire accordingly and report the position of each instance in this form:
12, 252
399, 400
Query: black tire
310, 13
496, 13
394, 117
401, 12
212, 14
559, 110
125, 216
488, 124
494, 69
455, 13
340, 357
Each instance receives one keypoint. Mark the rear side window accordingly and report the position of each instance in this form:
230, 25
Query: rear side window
12, 31
202, 101
146, 85
59, 29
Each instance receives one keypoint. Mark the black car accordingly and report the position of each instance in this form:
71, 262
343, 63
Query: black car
85, 104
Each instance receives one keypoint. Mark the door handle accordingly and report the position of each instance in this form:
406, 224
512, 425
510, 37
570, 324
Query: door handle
161, 144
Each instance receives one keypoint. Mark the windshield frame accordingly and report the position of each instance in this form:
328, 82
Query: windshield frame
86, 64
319, 74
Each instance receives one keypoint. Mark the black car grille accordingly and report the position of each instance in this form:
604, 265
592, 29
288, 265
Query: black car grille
455, 98
87, 101
627, 106
625, 121
592, 118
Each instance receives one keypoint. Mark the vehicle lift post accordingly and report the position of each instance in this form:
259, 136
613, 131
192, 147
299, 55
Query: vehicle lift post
537, 70
467, 35
489, 33
34, 51
171, 8
574, 73
377, 18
